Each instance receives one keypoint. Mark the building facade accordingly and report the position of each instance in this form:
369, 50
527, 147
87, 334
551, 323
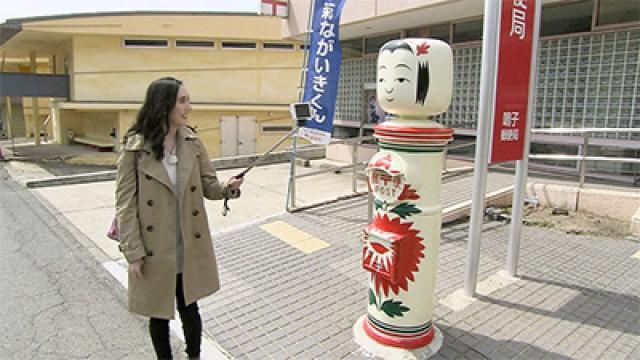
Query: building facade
240, 74
588, 55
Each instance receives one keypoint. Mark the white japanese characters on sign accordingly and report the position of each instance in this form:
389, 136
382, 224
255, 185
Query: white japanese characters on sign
322, 71
510, 118
322, 65
518, 17
509, 135
510, 123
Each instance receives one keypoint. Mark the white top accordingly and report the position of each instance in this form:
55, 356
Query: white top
170, 162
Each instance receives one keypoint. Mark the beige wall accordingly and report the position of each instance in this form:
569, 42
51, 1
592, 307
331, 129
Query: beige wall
238, 26
206, 122
103, 70
208, 126
89, 124
268, 139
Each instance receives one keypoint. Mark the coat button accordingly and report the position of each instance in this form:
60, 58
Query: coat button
195, 212
148, 177
150, 228
150, 202
194, 188
197, 235
149, 253
120, 248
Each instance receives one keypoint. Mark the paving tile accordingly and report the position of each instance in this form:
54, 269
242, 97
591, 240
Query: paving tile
285, 232
573, 289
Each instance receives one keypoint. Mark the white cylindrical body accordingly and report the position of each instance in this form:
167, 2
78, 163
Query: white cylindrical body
400, 246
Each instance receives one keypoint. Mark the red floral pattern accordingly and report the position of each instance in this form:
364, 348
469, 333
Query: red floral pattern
408, 193
410, 254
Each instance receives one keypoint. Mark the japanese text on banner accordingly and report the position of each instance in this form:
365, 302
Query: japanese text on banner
323, 70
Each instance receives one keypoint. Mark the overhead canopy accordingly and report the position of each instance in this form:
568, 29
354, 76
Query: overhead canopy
34, 85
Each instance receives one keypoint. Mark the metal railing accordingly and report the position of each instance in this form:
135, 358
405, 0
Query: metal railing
583, 157
355, 166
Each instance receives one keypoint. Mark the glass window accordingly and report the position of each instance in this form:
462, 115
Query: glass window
439, 32
145, 43
566, 19
467, 31
618, 11
373, 44
420, 32
278, 46
238, 45
276, 128
351, 48
195, 43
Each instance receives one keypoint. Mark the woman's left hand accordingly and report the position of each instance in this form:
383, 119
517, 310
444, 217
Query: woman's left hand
236, 182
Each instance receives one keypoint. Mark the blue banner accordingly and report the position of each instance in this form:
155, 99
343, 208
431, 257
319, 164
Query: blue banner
323, 70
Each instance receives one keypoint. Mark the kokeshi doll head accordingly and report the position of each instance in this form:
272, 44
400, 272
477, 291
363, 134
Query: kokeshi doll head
415, 77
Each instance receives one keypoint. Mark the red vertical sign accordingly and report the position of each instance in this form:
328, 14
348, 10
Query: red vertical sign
513, 75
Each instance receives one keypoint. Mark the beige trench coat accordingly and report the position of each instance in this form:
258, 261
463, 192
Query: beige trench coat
148, 223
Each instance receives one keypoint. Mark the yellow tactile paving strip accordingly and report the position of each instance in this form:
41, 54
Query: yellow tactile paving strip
295, 237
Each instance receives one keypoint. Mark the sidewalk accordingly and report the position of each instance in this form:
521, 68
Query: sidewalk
578, 297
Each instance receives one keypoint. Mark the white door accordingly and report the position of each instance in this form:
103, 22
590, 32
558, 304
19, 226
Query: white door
246, 135
237, 135
229, 136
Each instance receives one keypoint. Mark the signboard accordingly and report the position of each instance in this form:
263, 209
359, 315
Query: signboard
323, 70
513, 76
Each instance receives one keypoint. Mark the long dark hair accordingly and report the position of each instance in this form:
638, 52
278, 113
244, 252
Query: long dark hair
153, 118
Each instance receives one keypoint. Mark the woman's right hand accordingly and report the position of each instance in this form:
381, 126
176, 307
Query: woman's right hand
135, 268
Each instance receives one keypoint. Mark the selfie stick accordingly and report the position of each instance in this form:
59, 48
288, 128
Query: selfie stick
301, 112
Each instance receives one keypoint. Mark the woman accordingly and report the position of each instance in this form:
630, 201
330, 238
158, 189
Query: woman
163, 174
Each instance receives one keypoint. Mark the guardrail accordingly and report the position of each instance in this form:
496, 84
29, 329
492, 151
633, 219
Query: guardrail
356, 166
582, 157
355, 142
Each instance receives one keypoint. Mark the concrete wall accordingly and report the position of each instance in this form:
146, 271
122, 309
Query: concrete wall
104, 70
619, 205
343, 152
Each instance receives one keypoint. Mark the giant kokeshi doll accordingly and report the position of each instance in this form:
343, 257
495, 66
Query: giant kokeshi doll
400, 247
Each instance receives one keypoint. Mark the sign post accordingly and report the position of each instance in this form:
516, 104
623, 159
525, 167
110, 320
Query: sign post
487, 80
522, 165
506, 94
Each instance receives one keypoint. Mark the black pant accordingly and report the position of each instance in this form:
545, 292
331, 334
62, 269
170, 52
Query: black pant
191, 325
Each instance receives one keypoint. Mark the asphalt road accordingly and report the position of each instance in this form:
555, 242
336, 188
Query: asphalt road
56, 300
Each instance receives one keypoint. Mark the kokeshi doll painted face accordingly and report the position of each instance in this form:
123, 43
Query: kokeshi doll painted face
415, 77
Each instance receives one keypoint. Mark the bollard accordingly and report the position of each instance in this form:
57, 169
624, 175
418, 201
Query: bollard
400, 246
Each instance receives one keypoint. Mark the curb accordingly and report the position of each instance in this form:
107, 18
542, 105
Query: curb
458, 211
220, 164
71, 179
